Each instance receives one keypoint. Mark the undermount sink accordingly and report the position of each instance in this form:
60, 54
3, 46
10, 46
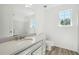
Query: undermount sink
32, 39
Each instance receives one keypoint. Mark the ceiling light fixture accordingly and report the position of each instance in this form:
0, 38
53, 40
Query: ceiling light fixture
28, 5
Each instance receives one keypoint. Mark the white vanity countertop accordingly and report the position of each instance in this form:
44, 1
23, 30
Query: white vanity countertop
11, 47
14, 46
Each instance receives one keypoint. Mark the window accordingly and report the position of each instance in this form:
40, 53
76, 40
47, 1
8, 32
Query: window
33, 24
65, 17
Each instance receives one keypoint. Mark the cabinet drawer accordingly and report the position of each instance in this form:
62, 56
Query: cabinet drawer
31, 49
38, 51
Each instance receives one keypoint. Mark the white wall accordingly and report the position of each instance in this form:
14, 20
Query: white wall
5, 20
0, 22
65, 37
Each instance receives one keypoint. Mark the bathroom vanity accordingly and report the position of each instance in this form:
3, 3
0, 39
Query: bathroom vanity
27, 46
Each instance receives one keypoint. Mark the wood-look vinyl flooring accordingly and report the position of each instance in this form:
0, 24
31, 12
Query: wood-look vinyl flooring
60, 51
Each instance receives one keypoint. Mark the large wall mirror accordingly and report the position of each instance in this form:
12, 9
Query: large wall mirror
16, 19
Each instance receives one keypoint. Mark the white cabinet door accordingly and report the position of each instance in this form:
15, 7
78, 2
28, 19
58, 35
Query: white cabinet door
38, 51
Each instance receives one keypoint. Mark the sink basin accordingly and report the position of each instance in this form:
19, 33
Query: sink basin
32, 39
